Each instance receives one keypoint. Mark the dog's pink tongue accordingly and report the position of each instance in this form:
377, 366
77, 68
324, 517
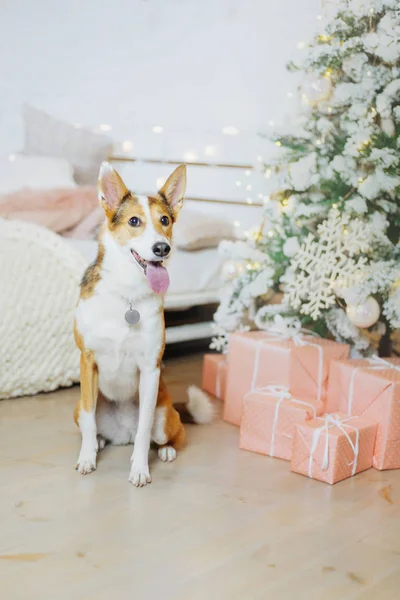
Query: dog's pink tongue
158, 277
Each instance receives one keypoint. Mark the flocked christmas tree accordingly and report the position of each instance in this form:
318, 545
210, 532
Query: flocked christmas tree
327, 253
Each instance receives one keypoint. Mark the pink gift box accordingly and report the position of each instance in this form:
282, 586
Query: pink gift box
371, 388
333, 447
269, 418
258, 359
215, 371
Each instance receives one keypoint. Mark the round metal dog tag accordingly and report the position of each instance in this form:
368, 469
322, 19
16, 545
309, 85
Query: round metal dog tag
132, 316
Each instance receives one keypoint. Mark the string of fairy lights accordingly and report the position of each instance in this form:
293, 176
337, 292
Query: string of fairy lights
210, 151
313, 91
252, 195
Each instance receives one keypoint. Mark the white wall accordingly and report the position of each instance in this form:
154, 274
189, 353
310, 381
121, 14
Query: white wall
192, 66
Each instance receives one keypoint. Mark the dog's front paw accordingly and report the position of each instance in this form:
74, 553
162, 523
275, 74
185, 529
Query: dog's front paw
86, 462
167, 453
139, 475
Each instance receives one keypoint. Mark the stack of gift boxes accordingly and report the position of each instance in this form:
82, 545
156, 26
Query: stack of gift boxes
300, 398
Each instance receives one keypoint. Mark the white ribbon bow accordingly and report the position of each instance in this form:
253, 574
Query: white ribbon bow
284, 330
375, 363
333, 421
282, 393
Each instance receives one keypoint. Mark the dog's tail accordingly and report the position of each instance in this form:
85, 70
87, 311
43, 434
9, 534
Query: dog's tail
197, 409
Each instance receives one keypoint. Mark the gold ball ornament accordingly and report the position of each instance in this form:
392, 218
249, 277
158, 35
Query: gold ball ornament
316, 89
364, 315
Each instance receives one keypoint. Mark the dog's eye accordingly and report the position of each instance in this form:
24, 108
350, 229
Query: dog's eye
164, 221
134, 221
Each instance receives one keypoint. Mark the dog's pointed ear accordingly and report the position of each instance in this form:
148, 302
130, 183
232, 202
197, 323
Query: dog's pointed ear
111, 188
173, 190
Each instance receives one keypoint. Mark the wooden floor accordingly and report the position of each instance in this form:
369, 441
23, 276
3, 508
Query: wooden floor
219, 523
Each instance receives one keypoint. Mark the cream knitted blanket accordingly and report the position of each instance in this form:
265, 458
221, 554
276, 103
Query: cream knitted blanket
39, 288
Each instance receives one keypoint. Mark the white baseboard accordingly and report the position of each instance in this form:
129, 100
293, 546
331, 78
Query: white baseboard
184, 333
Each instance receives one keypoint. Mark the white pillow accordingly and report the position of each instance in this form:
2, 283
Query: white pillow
35, 172
195, 230
84, 149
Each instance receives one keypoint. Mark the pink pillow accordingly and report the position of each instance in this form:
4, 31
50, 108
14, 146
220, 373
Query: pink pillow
58, 209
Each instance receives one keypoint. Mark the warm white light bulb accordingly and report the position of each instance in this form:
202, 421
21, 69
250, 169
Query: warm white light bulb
259, 158
249, 187
238, 183
247, 173
127, 145
210, 150
230, 130
105, 127
190, 156
271, 123
249, 200
157, 129
301, 45
160, 182
236, 223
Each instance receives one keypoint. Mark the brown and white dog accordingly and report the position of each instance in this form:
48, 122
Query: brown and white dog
120, 355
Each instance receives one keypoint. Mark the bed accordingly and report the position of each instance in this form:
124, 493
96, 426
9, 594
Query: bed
39, 287
40, 274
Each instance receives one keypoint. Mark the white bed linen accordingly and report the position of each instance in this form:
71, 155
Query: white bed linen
195, 276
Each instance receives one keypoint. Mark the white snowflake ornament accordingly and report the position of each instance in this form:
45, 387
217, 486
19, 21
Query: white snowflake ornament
325, 263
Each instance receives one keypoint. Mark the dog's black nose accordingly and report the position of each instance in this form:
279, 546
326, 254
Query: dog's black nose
161, 249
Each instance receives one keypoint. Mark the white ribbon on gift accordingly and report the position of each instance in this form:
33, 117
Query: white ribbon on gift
288, 331
375, 363
218, 381
282, 393
333, 420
